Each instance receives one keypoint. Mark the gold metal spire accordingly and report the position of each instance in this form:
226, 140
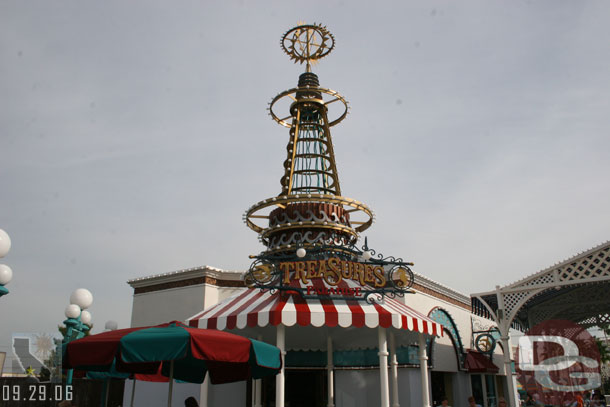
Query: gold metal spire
309, 209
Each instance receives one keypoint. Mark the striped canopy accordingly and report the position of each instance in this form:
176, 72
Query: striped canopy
254, 308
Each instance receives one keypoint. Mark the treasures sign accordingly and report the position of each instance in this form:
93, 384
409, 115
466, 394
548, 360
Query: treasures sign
333, 270
318, 278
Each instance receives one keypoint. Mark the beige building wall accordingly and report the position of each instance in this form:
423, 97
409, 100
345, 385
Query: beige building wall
157, 307
181, 294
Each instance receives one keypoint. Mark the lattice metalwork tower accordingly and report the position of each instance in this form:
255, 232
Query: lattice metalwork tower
310, 163
310, 209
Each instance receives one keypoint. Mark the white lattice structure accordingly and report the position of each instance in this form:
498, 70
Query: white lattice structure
575, 289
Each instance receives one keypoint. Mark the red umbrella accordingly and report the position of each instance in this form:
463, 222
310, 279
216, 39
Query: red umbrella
176, 351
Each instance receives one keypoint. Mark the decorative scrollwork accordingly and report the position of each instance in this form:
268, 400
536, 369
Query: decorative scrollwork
380, 257
389, 259
374, 296
270, 290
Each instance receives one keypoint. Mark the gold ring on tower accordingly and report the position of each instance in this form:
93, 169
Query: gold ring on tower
331, 97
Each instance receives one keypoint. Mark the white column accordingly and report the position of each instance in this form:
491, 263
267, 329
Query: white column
508, 369
504, 328
383, 368
394, 370
204, 390
423, 366
257, 387
279, 379
330, 370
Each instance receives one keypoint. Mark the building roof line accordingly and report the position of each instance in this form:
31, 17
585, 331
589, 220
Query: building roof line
441, 288
204, 270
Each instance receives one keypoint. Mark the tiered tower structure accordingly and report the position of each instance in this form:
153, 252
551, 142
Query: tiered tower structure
310, 211
310, 229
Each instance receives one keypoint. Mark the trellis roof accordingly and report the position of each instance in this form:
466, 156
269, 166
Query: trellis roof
574, 289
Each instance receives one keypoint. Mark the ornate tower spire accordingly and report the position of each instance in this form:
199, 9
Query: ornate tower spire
310, 163
310, 230
309, 211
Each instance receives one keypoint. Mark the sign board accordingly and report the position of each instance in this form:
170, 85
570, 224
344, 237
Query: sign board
332, 276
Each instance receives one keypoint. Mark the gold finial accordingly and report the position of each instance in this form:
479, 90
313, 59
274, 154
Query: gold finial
308, 43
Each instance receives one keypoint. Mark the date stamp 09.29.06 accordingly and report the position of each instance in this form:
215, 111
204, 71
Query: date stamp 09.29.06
35, 392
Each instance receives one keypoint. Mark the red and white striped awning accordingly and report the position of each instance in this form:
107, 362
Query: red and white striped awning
252, 308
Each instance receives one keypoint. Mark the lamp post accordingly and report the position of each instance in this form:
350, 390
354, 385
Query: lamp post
78, 320
6, 274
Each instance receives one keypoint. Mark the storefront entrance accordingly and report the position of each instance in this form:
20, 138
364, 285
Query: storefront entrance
442, 386
303, 388
306, 388
487, 388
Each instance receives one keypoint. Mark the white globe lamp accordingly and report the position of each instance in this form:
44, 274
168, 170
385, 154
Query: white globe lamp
72, 311
366, 255
6, 274
5, 243
111, 325
85, 318
81, 297
301, 252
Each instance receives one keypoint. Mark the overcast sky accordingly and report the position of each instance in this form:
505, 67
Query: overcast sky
133, 135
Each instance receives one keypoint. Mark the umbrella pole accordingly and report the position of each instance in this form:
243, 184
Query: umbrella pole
204, 390
171, 384
133, 390
107, 386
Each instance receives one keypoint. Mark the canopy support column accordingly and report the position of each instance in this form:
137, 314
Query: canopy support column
330, 370
394, 370
279, 379
203, 392
508, 369
423, 366
383, 367
504, 328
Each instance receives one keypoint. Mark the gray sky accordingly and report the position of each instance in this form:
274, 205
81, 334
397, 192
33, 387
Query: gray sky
133, 135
